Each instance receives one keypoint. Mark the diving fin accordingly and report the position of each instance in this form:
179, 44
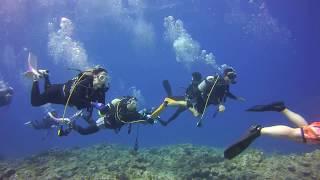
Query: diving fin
173, 117
275, 106
167, 87
162, 122
238, 147
33, 72
32, 66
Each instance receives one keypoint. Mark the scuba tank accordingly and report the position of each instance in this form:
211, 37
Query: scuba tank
203, 86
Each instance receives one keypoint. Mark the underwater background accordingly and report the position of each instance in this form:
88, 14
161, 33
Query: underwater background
273, 45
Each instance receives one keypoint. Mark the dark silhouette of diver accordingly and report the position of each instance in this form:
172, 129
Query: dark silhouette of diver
200, 94
51, 120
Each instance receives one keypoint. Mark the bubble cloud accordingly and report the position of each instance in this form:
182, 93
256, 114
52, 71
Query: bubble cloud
64, 48
188, 51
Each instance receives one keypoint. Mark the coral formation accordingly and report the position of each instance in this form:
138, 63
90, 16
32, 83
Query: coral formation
186, 161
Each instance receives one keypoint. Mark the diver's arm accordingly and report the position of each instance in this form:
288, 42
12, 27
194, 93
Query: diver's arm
231, 96
101, 107
146, 117
102, 96
59, 120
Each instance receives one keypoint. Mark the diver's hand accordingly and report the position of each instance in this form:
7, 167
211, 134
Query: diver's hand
65, 121
241, 99
221, 108
97, 105
150, 119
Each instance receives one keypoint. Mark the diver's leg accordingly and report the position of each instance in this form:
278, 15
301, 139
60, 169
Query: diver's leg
168, 102
281, 131
158, 111
173, 117
194, 112
295, 118
36, 98
54, 94
93, 128
196, 109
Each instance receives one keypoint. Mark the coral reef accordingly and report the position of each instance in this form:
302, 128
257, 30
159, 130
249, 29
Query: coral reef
186, 161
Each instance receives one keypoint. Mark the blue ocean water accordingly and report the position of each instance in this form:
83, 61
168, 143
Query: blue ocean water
274, 47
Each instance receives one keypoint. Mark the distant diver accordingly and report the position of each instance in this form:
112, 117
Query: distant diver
6, 94
114, 115
88, 86
200, 94
51, 120
306, 133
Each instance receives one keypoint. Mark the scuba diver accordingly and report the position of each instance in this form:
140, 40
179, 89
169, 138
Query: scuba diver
304, 132
200, 94
114, 115
51, 120
88, 86
6, 93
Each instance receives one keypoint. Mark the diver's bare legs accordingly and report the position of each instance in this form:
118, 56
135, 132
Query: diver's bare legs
281, 131
295, 118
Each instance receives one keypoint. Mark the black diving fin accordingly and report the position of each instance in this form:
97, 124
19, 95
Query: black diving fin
167, 87
238, 147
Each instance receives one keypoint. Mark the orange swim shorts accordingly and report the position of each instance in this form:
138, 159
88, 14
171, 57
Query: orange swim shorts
311, 133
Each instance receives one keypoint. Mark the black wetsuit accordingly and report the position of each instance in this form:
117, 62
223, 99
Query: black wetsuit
195, 98
218, 95
115, 118
81, 97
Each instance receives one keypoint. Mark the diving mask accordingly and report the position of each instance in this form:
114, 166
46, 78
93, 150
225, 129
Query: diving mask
100, 80
132, 104
232, 76
102, 77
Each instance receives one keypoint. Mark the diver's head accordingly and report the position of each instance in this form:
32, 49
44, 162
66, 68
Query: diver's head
230, 75
196, 77
100, 78
132, 104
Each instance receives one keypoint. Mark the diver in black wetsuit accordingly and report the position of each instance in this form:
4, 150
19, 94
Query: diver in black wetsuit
89, 86
51, 120
114, 115
219, 85
45, 123
6, 94
212, 90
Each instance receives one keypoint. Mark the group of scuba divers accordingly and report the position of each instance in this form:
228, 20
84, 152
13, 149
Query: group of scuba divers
87, 92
